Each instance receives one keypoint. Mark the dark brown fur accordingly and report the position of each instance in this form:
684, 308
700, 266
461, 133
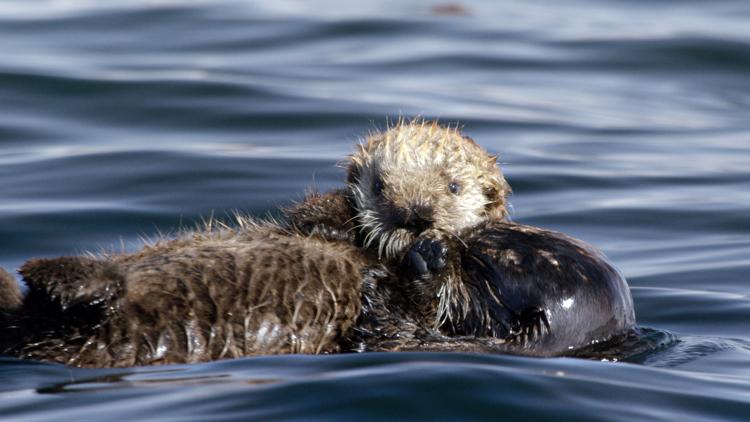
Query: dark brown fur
316, 285
204, 296
508, 277
505, 288
467, 292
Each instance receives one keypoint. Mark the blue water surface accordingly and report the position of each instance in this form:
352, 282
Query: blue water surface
626, 124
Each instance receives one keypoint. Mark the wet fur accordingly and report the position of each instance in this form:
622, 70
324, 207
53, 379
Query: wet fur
330, 278
207, 295
502, 283
399, 185
500, 271
414, 163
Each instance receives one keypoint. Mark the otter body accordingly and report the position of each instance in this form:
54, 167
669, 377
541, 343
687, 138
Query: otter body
414, 254
582, 297
522, 290
432, 204
204, 296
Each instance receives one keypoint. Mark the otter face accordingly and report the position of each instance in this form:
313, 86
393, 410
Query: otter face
419, 176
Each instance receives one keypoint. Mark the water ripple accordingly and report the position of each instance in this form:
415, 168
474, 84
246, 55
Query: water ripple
621, 123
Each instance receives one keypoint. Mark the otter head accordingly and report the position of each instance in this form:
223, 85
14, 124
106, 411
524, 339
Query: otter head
418, 176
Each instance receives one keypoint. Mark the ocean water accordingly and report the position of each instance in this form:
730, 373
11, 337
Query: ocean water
626, 124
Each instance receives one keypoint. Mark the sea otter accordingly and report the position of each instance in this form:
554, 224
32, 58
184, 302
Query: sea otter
414, 254
432, 204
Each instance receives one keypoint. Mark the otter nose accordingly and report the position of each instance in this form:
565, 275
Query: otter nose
420, 218
423, 212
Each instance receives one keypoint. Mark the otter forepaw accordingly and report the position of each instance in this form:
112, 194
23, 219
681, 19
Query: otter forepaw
427, 256
531, 326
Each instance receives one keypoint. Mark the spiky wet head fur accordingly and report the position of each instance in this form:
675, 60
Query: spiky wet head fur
417, 176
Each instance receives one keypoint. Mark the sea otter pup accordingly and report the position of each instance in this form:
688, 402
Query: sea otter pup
416, 177
432, 204
210, 294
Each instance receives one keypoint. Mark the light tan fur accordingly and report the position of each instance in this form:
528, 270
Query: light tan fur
416, 161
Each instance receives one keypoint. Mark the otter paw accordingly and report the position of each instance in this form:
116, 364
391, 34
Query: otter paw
427, 256
530, 326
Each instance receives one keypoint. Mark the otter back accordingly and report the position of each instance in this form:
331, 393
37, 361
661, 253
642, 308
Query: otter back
201, 297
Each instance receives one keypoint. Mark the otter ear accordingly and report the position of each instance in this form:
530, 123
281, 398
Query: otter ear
496, 194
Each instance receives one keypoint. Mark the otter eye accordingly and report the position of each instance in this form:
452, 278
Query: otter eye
377, 186
454, 187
